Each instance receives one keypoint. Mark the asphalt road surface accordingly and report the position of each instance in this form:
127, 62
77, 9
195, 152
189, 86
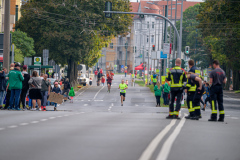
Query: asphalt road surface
97, 127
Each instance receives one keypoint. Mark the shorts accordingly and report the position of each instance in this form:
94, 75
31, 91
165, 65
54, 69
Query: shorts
109, 83
71, 97
123, 94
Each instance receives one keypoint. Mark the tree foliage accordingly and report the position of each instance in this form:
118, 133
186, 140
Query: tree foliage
73, 31
24, 45
219, 23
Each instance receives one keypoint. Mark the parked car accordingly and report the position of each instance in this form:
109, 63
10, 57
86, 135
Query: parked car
83, 79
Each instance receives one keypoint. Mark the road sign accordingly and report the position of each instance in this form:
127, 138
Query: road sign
122, 66
28, 61
37, 61
163, 56
125, 67
166, 48
122, 70
45, 57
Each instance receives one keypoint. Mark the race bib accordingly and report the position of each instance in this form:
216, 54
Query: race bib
121, 90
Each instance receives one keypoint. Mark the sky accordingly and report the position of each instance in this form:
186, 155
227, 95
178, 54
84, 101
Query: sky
169, 0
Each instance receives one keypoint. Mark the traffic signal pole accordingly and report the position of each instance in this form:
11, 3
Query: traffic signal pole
157, 15
6, 45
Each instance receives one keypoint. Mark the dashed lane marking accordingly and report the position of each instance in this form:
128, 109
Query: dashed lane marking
147, 154
163, 155
13, 126
85, 105
66, 115
43, 120
24, 124
59, 116
52, 117
35, 122
2, 129
98, 100
234, 118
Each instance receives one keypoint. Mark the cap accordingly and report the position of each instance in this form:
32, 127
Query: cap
55, 82
17, 65
24, 67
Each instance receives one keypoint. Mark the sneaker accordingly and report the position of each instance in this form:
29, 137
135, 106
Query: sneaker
18, 109
188, 117
121, 104
33, 109
194, 118
176, 117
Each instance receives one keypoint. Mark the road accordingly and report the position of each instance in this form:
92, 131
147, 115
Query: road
97, 127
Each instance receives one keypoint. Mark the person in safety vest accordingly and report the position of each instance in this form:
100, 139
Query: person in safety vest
191, 89
154, 79
177, 76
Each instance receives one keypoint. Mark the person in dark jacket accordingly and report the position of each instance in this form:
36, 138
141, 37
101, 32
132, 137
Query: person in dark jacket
66, 86
25, 87
2, 86
56, 90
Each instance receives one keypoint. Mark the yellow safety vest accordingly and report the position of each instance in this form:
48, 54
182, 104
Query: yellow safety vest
180, 83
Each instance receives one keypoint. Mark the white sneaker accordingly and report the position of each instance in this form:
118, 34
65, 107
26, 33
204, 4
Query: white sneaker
39, 109
33, 109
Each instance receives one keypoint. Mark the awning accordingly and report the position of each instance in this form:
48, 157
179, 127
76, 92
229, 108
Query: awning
140, 67
30, 67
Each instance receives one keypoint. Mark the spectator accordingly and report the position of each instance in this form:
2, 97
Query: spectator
57, 90
96, 73
35, 83
45, 91
71, 94
166, 90
15, 83
47, 73
66, 86
25, 86
2, 86
90, 81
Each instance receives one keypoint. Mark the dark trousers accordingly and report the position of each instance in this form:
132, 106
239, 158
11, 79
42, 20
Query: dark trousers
178, 94
216, 96
165, 97
207, 100
8, 95
15, 93
158, 100
191, 109
23, 98
196, 101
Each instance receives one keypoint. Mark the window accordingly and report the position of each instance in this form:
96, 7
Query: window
152, 24
111, 45
152, 39
147, 39
147, 24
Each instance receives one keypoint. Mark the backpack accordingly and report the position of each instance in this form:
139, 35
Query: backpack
65, 85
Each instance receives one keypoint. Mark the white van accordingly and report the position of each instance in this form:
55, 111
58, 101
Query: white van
82, 74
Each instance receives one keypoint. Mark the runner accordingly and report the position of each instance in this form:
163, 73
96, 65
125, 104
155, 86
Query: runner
122, 87
109, 82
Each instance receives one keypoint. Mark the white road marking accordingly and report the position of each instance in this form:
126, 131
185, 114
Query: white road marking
85, 105
227, 115
82, 100
59, 116
163, 155
234, 118
98, 92
147, 154
2, 129
82, 112
13, 126
24, 124
35, 122
52, 117
98, 100
66, 115
43, 120
136, 104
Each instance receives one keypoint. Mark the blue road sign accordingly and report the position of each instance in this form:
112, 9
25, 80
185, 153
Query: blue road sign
122, 66
163, 56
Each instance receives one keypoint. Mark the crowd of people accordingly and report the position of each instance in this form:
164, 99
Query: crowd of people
19, 88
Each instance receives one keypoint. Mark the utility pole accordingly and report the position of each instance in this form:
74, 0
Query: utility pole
6, 45
180, 47
170, 39
149, 50
174, 39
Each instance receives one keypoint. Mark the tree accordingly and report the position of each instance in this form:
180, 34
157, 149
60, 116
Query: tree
73, 31
24, 45
219, 23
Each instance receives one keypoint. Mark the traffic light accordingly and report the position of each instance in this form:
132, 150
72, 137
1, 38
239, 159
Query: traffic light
187, 49
153, 47
108, 7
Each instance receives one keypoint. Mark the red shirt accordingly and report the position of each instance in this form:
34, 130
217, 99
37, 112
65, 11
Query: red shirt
109, 79
103, 80
96, 72
101, 71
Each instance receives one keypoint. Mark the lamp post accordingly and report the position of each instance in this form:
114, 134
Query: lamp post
126, 47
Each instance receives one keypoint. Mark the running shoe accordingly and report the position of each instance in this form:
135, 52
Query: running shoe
121, 104
18, 109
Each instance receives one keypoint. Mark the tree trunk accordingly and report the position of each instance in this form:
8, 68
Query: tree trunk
71, 71
228, 72
236, 83
75, 74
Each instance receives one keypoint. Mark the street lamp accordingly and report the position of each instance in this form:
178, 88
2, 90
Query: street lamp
126, 47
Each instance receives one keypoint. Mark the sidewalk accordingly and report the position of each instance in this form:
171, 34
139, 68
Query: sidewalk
231, 94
